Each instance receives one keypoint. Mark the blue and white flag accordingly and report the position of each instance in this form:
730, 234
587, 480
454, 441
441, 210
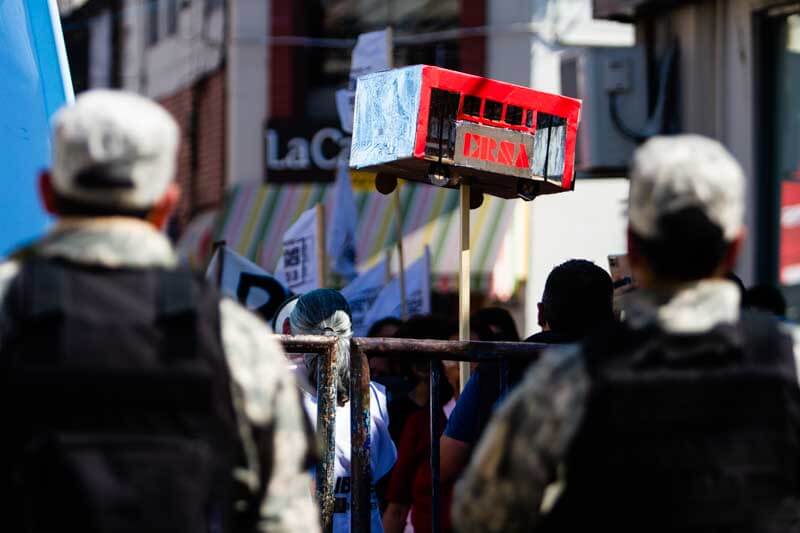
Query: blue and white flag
418, 293
36, 82
341, 234
298, 267
361, 294
246, 282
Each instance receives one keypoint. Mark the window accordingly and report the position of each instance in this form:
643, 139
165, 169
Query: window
152, 8
442, 124
514, 115
172, 17
529, 118
472, 106
493, 110
549, 146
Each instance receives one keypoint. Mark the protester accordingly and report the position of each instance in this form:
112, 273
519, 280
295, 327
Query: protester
383, 367
326, 312
409, 489
409, 492
280, 322
494, 324
684, 418
385, 327
135, 399
577, 299
415, 393
766, 298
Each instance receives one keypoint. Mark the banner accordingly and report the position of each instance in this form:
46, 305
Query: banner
36, 82
341, 234
418, 293
247, 283
298, 266
361, 294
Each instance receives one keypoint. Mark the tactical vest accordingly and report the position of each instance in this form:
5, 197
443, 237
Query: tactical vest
686, 433
116, 403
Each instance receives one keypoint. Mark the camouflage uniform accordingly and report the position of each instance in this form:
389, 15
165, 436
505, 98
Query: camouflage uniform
263, 392
515, 470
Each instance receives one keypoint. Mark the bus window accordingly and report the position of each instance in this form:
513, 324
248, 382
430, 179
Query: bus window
529, 118
493, 110
472, 106
549, 146
441, 139
514, 115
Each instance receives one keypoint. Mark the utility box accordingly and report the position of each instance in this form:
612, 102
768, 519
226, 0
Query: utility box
596, 75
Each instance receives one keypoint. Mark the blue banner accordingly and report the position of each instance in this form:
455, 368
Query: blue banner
35, 83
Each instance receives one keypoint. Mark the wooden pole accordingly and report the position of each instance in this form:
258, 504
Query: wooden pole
464, 281
387, 275
398, 213
322, 267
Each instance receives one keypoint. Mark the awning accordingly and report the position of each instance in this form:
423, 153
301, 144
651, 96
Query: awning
256, 215
196, 241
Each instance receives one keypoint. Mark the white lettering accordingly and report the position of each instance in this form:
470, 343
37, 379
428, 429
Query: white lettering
273, 161
319, 138
297, 154
300, 154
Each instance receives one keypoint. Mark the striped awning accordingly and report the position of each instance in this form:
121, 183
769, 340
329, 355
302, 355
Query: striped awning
256, 215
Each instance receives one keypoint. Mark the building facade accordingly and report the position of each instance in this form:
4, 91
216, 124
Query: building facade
252, 84
736, 64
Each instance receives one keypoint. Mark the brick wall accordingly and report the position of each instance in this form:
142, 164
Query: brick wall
200, 113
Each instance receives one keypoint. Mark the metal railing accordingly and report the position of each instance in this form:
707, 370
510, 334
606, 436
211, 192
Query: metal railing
360, 348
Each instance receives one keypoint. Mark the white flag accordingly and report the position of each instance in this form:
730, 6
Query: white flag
418, 293
299, 268
361, 294
341, 233
246, 282
372, 53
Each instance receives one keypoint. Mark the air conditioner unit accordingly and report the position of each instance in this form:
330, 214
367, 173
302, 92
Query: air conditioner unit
593, 74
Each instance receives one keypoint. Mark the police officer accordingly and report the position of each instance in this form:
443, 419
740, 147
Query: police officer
685, 417
134, 398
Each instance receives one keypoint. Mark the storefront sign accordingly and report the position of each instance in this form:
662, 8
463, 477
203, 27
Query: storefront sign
297, 151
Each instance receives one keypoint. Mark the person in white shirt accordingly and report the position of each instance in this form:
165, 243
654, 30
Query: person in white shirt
326, 312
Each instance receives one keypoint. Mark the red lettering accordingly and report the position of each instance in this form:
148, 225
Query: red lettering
491, 155
484, 149
522, 158
467, 141
506, 154
477, 150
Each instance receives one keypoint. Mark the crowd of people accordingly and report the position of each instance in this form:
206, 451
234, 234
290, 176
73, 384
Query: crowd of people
139, 400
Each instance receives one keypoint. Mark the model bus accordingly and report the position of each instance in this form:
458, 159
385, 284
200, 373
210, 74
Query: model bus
508, 140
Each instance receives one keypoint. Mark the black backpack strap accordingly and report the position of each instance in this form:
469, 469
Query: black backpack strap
36, 301
176, 296
765, 344
42, 290
177, 310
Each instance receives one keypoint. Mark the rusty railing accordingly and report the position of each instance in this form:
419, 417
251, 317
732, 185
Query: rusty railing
360, 348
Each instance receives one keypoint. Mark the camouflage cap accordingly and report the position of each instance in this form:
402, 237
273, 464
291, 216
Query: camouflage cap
114, 149
671, 173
